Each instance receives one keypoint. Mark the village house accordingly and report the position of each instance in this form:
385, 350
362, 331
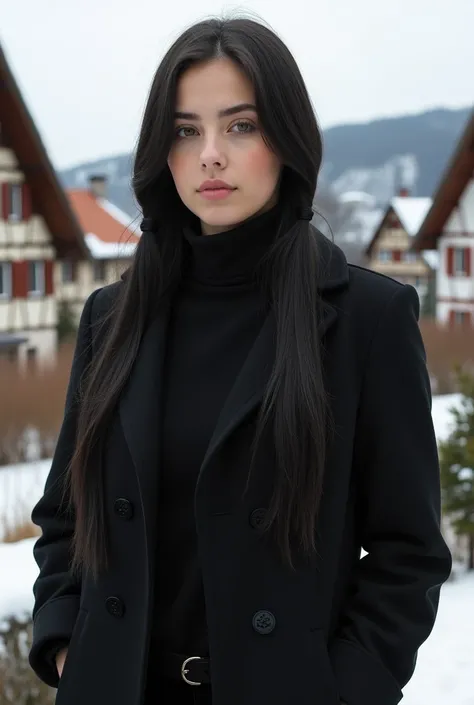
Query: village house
37, 226
56, 247
449, 227
111, 241
390, 249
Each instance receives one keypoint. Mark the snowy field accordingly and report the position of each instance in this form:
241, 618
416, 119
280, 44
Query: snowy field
20, 488
445, 669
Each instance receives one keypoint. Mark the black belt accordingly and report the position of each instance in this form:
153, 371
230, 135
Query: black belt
193, 670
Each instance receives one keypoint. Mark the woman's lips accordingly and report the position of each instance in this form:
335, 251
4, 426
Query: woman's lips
216, 194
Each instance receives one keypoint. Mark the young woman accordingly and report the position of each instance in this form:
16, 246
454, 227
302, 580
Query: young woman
246, 412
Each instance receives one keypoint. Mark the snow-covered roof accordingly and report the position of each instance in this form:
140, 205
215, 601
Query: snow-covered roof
109, 250
108, 231
118, 214
411, 211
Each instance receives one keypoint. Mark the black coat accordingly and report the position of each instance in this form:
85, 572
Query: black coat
338, 627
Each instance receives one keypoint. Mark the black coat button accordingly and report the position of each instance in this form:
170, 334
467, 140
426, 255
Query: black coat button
123, 508
257, 518
115, 606
264, 622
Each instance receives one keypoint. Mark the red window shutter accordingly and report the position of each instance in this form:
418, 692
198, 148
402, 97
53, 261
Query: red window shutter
397, 255
5, 201
20, 280
467, 260
48, 278
450, 261
26, 201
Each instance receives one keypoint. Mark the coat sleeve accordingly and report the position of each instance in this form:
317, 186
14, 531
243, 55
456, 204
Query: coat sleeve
56, 593
393, 597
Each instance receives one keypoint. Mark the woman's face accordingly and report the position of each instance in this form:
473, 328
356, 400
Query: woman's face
218, 142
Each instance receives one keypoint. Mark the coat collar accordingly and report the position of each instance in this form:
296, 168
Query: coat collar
140, 405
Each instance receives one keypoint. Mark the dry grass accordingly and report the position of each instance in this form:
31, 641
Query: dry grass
32, 399
19, 532
447, 348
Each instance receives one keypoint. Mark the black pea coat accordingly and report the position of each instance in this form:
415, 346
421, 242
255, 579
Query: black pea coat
339, 627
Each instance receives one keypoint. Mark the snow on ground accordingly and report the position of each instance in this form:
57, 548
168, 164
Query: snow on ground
445, 667
444, 672
21, 486
19, 571
441, 414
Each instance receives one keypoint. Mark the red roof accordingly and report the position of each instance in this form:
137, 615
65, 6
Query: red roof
95, 218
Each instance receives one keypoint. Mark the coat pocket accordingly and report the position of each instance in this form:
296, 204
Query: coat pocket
73, 652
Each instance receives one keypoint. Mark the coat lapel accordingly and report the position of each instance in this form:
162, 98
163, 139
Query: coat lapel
249, 387
140, 404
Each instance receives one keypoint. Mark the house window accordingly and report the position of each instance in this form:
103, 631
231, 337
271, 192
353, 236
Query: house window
460, 261
36, 278
385, 256
16, 202
99, 270
67, 271
410, 257
5, 280
460, 318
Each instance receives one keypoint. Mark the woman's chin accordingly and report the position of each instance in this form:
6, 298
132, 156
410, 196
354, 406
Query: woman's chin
221, 218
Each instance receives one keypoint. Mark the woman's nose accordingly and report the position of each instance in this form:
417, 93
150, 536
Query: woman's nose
212, 155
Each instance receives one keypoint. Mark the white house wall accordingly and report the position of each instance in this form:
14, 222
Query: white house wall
456, 293
32, 317
462, 217
76, 293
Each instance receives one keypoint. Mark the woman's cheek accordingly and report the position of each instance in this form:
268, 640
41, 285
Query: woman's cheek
178, 164
262, 163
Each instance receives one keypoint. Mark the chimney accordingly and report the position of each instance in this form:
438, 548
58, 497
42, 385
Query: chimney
98, 185
403, 192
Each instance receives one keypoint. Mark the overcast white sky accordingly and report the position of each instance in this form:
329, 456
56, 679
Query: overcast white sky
85, 66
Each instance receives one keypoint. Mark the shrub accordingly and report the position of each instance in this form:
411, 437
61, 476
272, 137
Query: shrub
19, 685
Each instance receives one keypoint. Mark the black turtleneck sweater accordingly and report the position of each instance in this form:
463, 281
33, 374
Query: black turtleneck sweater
215, 318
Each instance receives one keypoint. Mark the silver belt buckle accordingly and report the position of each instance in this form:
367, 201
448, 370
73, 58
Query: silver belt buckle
185, 670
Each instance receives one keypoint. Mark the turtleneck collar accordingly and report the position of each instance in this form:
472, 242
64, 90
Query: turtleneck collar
231, 256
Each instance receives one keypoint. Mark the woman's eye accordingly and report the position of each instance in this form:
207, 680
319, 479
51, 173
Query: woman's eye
243, 127
185, 131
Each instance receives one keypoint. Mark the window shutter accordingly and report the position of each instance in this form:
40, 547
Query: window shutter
450, 261
48, 277
26, 201
5, 201
452, 318
20, 280
397, 255
467, 260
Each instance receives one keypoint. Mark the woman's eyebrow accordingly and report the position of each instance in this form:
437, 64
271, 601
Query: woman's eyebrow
222, 113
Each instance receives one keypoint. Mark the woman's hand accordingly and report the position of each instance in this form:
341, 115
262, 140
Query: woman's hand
60, 659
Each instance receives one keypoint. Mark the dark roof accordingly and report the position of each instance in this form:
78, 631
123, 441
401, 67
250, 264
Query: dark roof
10, 341
48, 196
451, 187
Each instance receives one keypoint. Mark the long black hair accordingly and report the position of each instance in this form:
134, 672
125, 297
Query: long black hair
295, 402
